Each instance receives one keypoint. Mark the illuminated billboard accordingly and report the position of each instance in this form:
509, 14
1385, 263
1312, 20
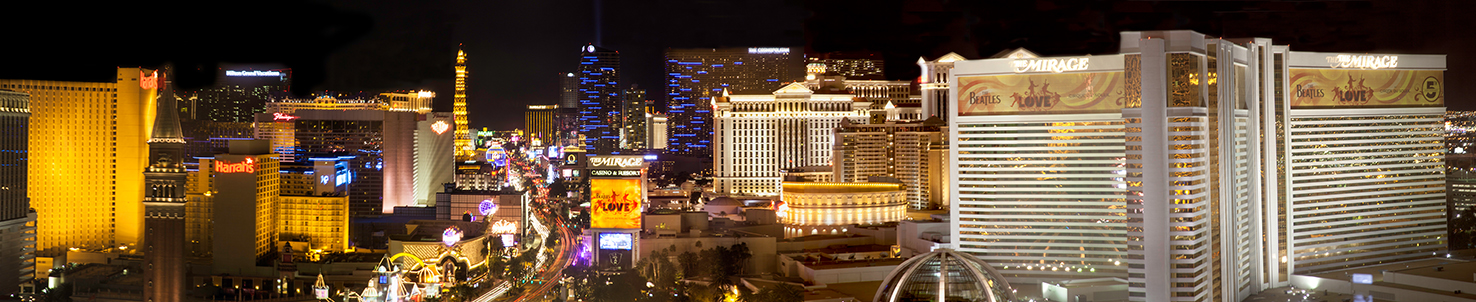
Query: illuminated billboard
615, 203
1342, 88
1051, 93
616, 241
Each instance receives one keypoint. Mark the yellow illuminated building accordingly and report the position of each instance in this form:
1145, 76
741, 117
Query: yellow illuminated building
199, 209
87, 148
322, 221
286, 209
464, 148
831, 207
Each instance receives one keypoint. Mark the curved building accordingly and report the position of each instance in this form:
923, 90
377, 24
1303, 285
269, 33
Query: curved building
831, 207
944, 275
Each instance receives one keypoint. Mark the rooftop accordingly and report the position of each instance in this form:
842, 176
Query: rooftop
839, 187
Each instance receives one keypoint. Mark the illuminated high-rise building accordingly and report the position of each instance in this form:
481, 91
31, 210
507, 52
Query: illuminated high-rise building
239, 93
87, 151
566, 119
934, 84
464, 148
695, 76
758, 135
311, 202
881, 93
435, 161
657, 130
278, 121
164, 206
17, 221
852, 65
539, 122
1196, 168
569, 91
246, 183
914, 153
414, 101
633, 116
381, 141
599, 99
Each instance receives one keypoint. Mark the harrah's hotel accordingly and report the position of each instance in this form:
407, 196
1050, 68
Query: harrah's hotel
1196, 168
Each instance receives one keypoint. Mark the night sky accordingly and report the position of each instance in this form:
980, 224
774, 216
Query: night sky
518, 49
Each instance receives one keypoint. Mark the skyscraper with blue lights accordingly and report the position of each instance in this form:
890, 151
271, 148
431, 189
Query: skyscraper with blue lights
599, 99
695, 76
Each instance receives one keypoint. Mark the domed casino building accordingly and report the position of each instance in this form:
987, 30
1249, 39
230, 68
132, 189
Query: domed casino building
944, 275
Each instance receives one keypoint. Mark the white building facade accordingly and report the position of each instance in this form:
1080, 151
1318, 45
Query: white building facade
1144, 165
756, 136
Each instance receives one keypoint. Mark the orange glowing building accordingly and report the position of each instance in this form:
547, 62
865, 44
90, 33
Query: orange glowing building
87, 143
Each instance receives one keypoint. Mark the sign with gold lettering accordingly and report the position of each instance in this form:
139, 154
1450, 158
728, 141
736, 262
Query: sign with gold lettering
615, 203
1094, 92
1342, 88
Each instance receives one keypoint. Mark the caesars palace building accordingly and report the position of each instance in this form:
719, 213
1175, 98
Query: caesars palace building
1196, 168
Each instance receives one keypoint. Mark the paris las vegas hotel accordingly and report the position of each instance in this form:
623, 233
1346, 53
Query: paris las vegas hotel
1196, 168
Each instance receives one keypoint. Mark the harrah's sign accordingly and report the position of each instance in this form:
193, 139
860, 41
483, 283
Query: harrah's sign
616, 161
1362, 61
1051, 65
248, 166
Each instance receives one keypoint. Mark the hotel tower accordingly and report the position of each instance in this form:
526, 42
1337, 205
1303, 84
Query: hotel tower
1196, 168
88, 154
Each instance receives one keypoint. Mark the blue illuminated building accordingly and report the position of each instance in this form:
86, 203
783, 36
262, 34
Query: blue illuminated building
599, 99
694, 76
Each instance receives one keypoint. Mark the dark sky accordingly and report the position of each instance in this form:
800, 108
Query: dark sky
518, 49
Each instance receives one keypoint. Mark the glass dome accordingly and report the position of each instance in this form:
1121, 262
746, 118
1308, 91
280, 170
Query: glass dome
944, 275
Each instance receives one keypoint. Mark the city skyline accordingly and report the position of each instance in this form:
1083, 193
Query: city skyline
769, 150
385, 45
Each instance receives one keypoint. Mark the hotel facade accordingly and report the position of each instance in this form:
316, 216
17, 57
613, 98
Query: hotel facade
1144, 165
87, 149
755, 136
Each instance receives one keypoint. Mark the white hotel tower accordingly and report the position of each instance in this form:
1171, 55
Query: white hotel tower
755, 136
1194, 167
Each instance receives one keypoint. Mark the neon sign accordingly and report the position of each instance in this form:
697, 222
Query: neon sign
769, 50
451, 236
623, 173
147, 81
248, 166
504, 227
440, 127
1362, 62
324, 179
617, 161
487, 207
252, 73
1051, 65
278, 116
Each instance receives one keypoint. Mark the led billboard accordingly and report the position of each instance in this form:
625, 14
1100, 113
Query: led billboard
615, 241
615, 203
1334, 88
1052, 93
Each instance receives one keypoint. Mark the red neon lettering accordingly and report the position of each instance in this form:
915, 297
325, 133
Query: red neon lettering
278, 116
247, 166
146, 81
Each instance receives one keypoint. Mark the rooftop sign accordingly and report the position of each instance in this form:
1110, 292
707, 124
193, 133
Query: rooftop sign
1362, 61
1050, 65
617, 161
252, 73
768, 50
